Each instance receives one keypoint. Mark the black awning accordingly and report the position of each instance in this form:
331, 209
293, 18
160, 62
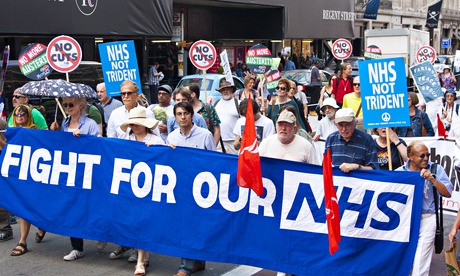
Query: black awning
87, 17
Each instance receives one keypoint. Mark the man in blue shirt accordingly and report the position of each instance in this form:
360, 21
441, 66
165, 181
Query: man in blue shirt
418, 155
351, 148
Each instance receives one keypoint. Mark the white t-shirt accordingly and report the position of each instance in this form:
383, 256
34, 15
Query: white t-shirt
150, 138
299, 149
169, 109
301, 97
228, 115
264, 127
325, 127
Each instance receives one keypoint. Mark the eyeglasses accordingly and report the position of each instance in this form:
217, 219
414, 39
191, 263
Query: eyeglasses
20, 115
356, 84
65, 105
280, 88
126, 94
18, 97
162, 93
423, 155
180, 114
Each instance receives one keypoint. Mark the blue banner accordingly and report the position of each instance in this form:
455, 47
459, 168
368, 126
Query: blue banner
426, 80
372, 9
384, 93
119, 63
185, 202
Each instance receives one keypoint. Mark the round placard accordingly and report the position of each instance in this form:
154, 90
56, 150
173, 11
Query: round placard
202, 54
33, 62
342, 49
64, 54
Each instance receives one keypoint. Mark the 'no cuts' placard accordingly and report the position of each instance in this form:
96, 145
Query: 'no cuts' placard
119, 63
384, 93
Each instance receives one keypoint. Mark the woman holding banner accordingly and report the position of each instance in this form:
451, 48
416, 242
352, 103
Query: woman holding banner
397, 145
77, 123
22, 117
420, 124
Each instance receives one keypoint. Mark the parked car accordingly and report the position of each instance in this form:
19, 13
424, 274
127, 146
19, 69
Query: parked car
303, 77
354, 64
443, 60
212, 82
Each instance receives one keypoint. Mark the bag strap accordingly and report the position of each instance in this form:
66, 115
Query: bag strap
421, 120
359, 109
437, 199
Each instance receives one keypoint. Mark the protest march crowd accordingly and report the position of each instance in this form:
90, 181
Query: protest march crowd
179, 118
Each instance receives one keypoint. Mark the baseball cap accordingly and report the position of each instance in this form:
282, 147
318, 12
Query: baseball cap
165, 88
287, 116
344, 115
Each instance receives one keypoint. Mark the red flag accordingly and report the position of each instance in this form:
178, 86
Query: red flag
332, 206
249, 173
441, 128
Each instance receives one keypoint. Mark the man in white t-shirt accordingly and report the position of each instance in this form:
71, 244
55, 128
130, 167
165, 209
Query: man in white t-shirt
327, 125
227, 109
264, 126
286, 144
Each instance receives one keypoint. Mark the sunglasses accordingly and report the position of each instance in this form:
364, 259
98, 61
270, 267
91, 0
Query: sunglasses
124, 94
423, 155
18, 97
70, 105
280, 88
356, 84
20, 115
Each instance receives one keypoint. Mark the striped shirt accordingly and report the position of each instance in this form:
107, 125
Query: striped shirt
360, 149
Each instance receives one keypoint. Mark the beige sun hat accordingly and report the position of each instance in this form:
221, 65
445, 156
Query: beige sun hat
138, 116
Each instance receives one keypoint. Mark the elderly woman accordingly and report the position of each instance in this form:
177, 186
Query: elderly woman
448, 80
449, 110
22, 117
281, 100
419, 120
397, 145
141, 130
78, 123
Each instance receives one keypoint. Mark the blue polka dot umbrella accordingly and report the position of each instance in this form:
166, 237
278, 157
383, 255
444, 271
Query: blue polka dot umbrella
58, 88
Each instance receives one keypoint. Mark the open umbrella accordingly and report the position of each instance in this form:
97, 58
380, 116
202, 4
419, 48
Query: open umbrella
58, 88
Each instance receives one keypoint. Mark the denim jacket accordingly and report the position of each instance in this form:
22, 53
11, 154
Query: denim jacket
416, 125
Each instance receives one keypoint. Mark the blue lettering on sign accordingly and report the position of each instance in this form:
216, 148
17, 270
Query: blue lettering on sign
382, 204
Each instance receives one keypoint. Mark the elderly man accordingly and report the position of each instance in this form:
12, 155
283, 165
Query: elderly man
109, 104
19, 98
129, 95
351, 148
327, 125
189, 135
418, 161
285, 144
227, 109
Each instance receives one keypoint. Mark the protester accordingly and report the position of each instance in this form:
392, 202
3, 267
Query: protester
109, 104
351, 148
326, 92
243, 93
264, 126
449, 110
419, 156
397, 145
300, 131
353, 101
285, 144
227, 109
207, 111
327, 126
342, 85
141, 130
19, 98
289, 65
129, 96
22, 117
299, 97
418, 120
189, 135
281, 100
455, 227
6, 232
154, 82
183, 94
164, 104
448, 80
77, 123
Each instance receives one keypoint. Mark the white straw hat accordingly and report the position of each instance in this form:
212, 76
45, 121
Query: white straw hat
138, 116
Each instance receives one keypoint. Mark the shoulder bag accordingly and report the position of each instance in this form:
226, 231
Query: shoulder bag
439, 237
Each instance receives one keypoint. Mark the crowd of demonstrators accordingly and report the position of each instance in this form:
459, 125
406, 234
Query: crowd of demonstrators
419, 121
448, 112
327, 126
342, 84
436, 182
37, 116
326, 92
397, 148
353, 101
264, 126
207, 111
227, 109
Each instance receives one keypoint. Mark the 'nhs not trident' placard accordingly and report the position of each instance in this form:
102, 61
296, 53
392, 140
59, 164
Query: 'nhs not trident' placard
384, 93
